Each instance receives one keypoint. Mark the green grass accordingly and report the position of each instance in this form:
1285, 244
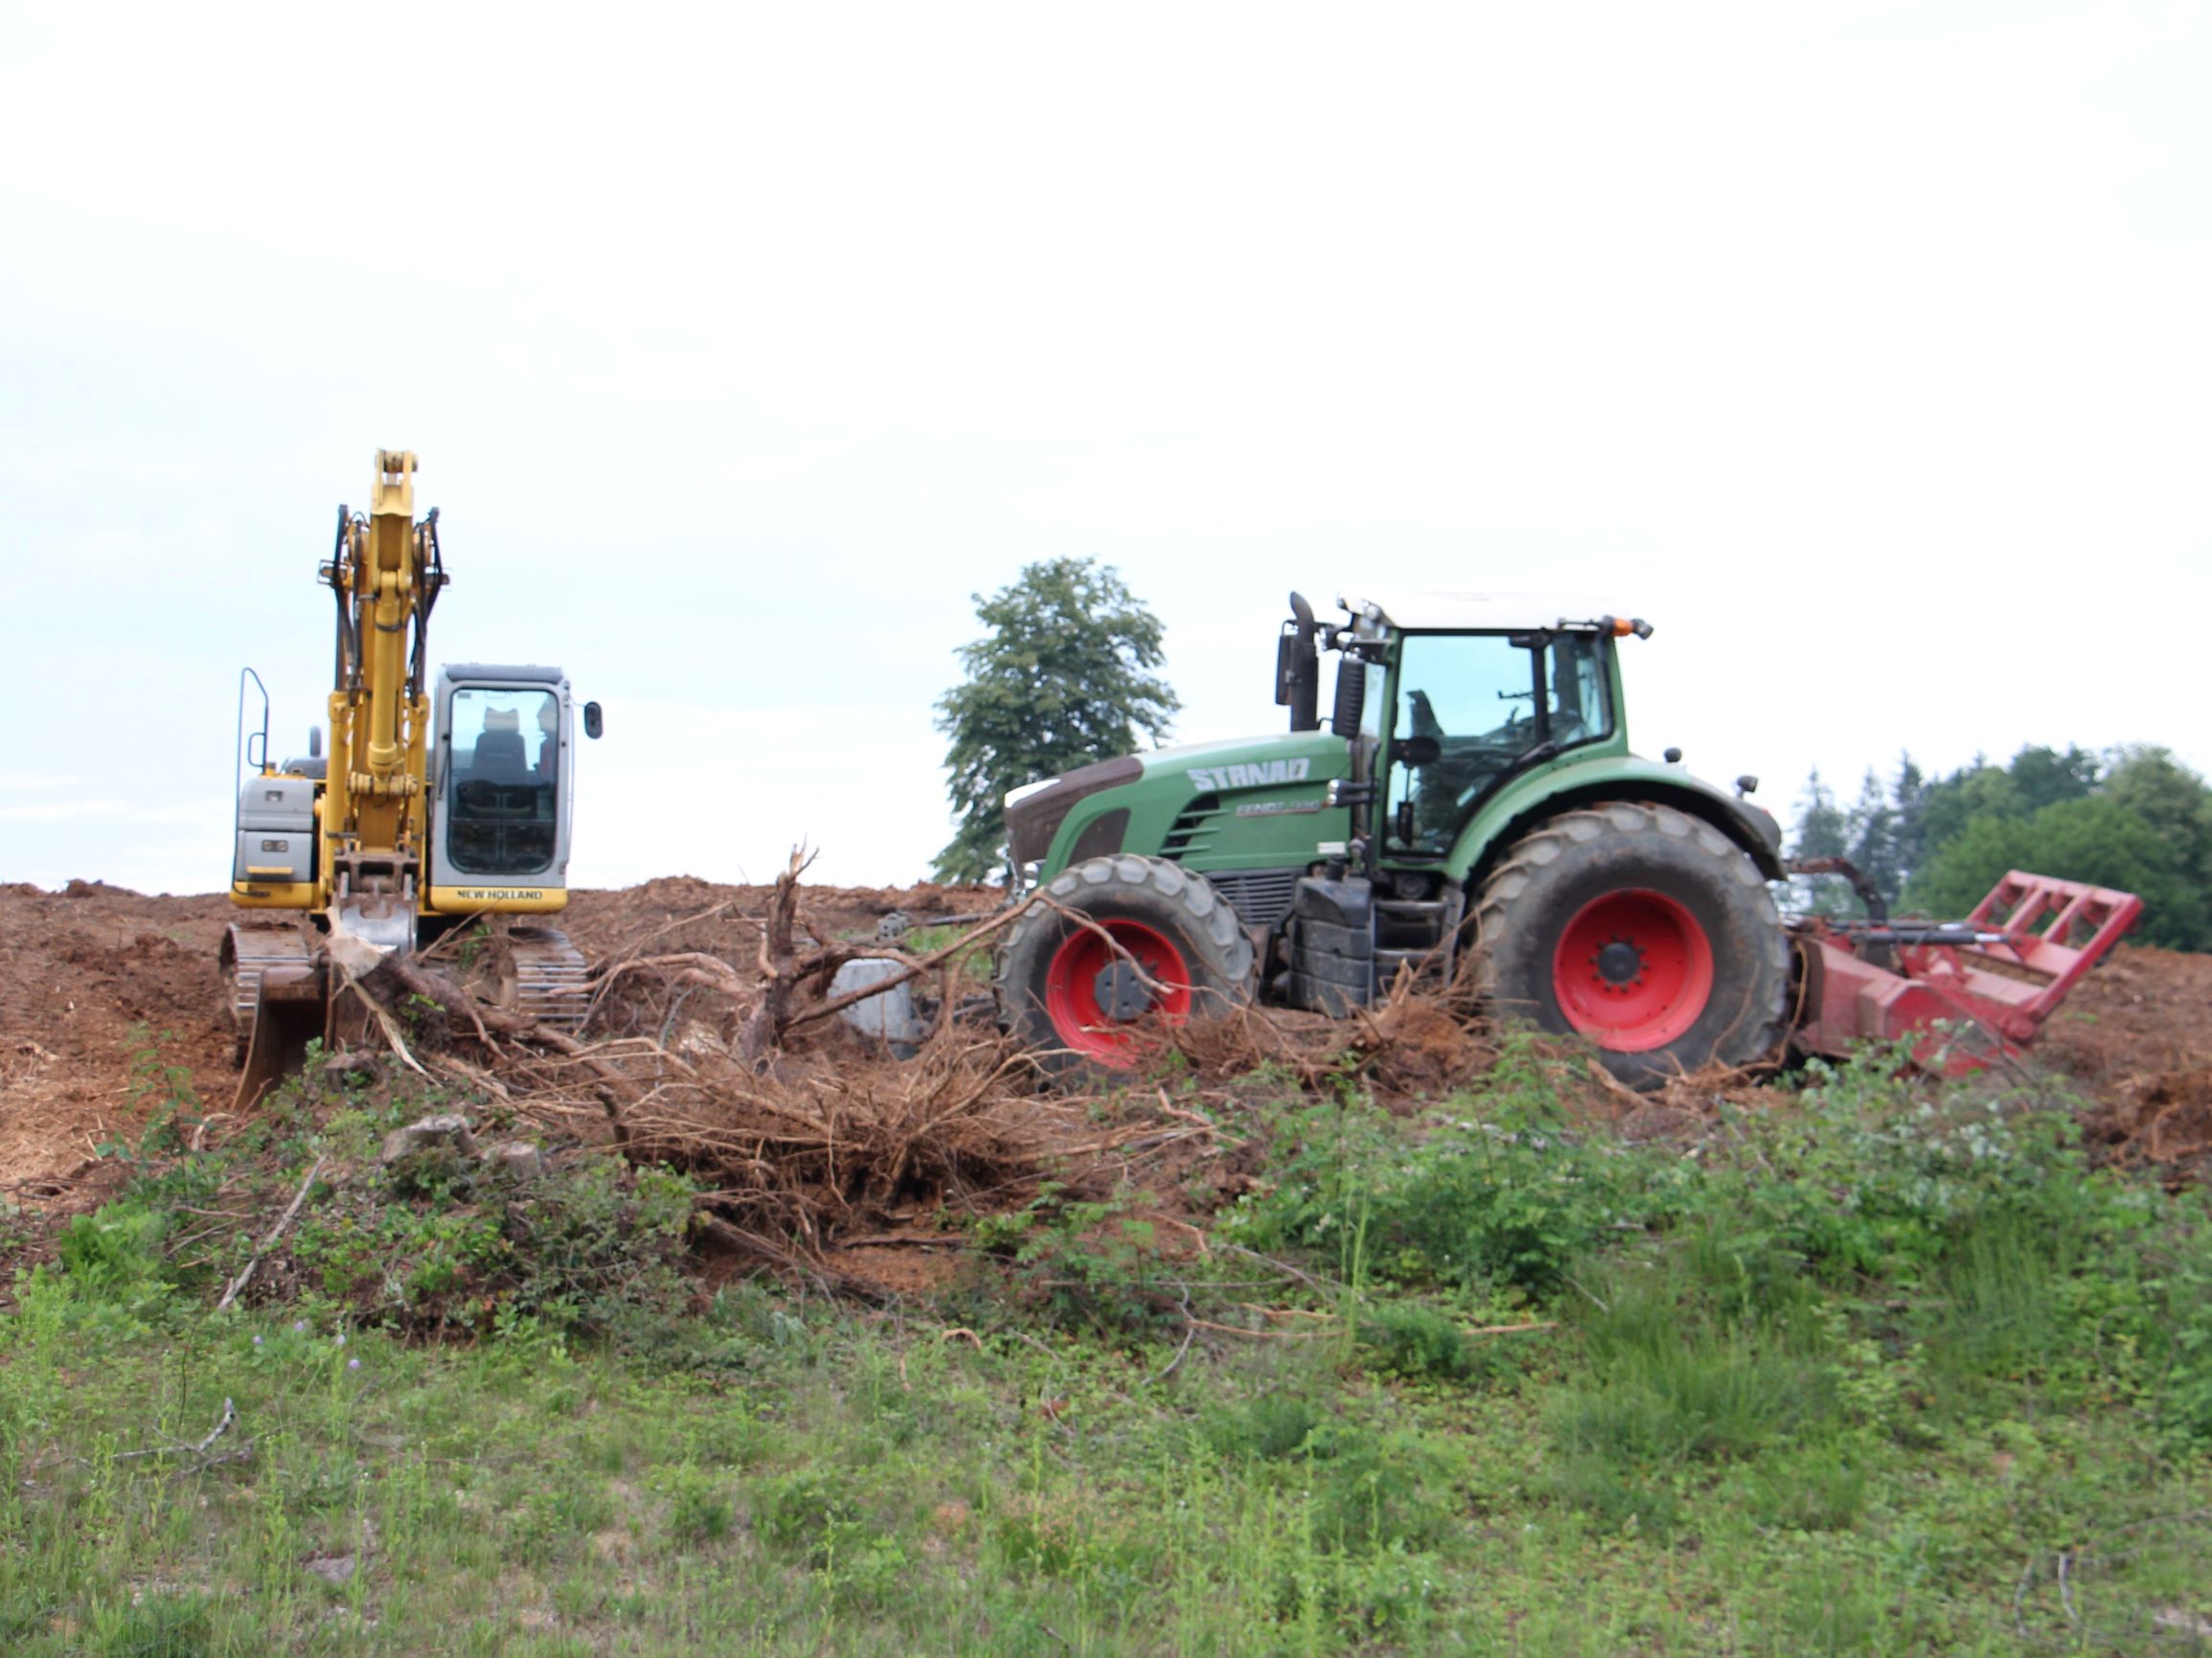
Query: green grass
1890, 1371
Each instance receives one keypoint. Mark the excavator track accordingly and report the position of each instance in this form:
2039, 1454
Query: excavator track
278, 996
251, 952
550, 975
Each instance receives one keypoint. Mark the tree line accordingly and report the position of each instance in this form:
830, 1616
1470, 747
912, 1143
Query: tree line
2131, 817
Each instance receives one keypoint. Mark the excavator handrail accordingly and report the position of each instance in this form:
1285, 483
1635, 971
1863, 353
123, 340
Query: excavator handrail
243, 750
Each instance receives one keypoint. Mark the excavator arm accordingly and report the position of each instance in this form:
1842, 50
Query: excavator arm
358, 831
386, 573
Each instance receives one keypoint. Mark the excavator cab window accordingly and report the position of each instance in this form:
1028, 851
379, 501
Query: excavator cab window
503, 782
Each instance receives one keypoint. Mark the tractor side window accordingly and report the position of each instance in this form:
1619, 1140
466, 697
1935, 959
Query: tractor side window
502, 790
1578, 709
1473, 698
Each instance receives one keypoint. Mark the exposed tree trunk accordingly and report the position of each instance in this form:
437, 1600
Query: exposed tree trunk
781, 970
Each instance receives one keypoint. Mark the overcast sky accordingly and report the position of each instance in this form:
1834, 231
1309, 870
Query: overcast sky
1865, 349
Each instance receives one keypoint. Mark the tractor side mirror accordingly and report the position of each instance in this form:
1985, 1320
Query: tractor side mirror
1418, 751
1298, 666
594, 722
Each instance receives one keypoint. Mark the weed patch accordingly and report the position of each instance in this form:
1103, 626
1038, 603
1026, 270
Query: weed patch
1887, 1369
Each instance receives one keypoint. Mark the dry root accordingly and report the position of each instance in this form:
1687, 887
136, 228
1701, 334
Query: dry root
713, 1050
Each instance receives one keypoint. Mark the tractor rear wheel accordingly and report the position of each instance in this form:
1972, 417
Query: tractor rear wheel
1644, 929
1161, 946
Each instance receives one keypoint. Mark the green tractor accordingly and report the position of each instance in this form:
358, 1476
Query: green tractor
1470, 808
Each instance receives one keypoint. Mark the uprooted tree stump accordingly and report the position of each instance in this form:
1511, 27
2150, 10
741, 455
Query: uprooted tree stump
684, 1058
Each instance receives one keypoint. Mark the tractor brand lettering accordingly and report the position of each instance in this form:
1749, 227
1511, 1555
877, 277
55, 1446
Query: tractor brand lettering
1260, 775
1276, 807
494, 895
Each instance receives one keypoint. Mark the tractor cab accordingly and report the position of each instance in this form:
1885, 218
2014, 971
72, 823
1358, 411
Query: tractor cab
502, 779
1466, 711
1448, 697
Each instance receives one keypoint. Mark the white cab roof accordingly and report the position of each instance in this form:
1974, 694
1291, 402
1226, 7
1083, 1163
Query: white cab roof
1456, 612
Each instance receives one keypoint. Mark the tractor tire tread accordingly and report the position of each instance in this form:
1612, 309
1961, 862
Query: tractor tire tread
1543, 847
1217, 938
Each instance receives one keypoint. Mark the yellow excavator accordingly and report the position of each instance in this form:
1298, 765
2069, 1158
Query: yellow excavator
430, 810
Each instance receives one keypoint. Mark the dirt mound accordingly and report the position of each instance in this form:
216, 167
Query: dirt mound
2138, 1034
83, 969
684, 913
81, 972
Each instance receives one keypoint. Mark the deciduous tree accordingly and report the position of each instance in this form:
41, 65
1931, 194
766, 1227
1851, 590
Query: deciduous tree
1061, 679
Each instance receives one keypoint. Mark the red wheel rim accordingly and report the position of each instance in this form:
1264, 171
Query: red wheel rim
1633, 970
1071, 990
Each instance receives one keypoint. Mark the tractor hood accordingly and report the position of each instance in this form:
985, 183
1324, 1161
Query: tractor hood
1294, 762
1035, 811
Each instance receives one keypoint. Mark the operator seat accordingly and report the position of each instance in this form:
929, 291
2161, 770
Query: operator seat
500, 756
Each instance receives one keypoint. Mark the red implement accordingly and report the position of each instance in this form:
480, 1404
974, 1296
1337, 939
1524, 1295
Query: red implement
1997, 975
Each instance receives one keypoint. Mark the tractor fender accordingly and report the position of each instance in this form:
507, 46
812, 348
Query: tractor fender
1526, 801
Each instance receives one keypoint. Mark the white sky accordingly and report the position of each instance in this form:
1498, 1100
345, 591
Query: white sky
1866, 349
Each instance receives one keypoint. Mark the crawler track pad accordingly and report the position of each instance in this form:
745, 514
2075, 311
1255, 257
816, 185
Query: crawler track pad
550, 975
278, 1000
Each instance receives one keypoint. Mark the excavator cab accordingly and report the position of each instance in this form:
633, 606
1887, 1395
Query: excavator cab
502, 776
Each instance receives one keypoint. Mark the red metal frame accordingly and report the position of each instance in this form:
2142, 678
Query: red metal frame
2051, 932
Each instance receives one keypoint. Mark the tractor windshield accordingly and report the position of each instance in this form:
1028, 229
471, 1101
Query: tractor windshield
1482, 701
502, 793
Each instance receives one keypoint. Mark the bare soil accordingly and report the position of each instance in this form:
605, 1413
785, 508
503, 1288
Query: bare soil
92, 977
2138, 1034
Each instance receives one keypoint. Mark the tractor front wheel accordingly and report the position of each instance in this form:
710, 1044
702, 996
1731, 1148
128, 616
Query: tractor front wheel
1115, 945
1643, 928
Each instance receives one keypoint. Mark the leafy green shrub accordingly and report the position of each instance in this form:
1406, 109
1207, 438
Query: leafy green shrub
1086, 1265
1497, 1192
699, 1507
1413, 1340
109, 1270
803, 1511
1874, 1173
114, 1254
1269, 1426
589, 1246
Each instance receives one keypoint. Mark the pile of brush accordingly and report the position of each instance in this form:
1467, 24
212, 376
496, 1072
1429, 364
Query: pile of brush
803, 1135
